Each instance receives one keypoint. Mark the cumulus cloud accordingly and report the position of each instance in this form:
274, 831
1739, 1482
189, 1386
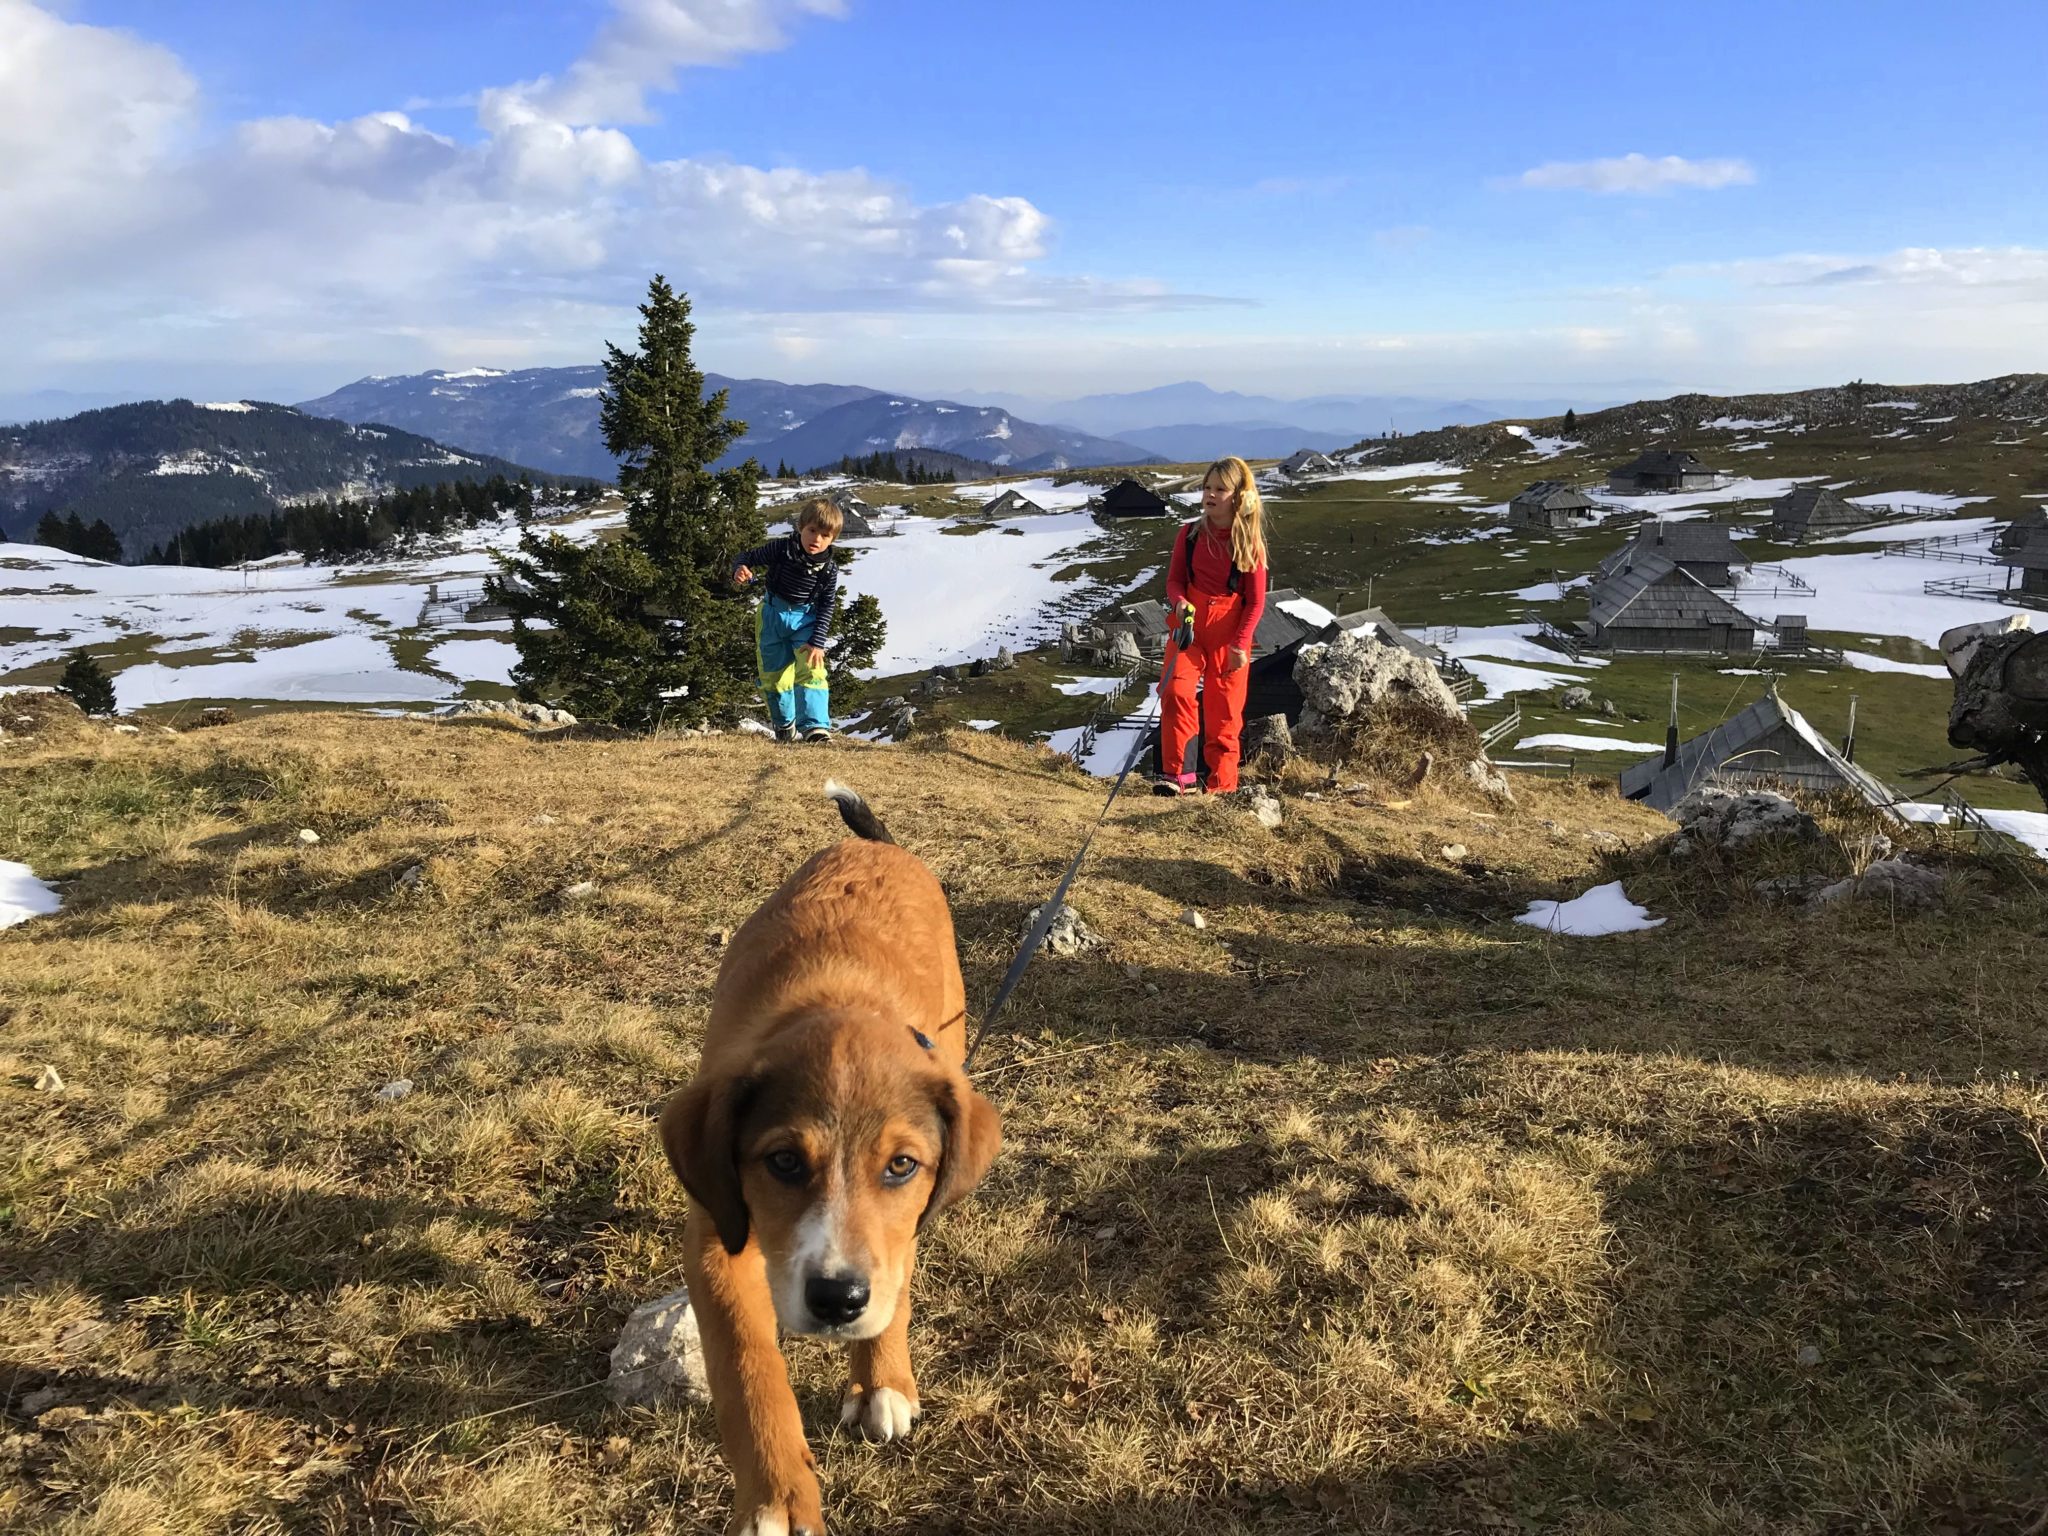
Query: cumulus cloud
1638, 174
126, 227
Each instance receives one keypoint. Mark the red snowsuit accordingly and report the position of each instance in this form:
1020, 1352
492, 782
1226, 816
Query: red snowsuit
1224, 620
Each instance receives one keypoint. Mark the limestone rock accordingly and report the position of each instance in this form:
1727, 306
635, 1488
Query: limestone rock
1342, 675
1194, 919
1577, 698
1266, 740
49, 1080
308, 836
1889, 882
1068, 935
1263, 804
1483, 775
1124, 651
1004, 661
1732, 820
398, 1088
658, 1354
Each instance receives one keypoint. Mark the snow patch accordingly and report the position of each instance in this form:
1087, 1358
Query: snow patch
1602, 910
1587, 744
23, 896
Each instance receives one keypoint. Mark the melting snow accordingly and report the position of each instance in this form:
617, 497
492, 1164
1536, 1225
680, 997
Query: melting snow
1588, 744
23, 896
1602, 910
1862, 661
227, 405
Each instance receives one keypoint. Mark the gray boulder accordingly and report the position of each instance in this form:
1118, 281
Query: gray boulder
1577, 698
1889, 882
1340, 676
1733, 820
1068, 935
659, 1354
1123, 649
1262, 803
1266, 739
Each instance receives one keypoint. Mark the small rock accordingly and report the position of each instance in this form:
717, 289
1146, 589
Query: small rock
1068, 935
1453, 851
1482, 775
1261, 802
1105, 1234
580, 891
544, 820
1610, 709
1893, 882
308, 836
1267, 740
1004, 661
1809, 1354
129, 730
659, 1352
49, 1080
393, 1091
1135, 972
1151, 989
410, 880
1577, 698
1194, 919
754, 727
41, 1401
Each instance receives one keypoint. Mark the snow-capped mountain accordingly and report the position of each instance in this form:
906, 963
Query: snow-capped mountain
547, 417
157, 467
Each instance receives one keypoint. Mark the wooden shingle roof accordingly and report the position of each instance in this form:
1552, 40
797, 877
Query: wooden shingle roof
1701, 758
1654, 592
1554, 496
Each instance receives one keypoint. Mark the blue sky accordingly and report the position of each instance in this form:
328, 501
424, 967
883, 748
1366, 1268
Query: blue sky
1458, 198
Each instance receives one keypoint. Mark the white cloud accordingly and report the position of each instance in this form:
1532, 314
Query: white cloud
1638, 174
1919, 267
641, 49
376, 238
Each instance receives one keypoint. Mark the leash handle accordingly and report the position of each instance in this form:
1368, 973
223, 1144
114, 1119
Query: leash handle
1048, 913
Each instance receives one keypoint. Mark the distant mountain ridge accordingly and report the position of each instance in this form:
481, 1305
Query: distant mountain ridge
547, 417
155, 468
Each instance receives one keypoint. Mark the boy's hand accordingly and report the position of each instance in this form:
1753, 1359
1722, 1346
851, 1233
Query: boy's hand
1233, 659
815, 656
743, 575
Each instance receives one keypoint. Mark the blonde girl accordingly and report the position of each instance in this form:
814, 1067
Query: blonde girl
1215, 592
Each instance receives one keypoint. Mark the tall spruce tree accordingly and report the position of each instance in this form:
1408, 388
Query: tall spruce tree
645, 626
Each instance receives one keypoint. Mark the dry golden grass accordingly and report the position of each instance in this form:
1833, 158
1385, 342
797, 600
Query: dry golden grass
1362, 1209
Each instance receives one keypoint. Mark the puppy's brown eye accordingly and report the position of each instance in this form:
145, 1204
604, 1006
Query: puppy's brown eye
786, 1165
899, 1170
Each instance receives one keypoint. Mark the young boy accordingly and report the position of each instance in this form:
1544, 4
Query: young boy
795, 619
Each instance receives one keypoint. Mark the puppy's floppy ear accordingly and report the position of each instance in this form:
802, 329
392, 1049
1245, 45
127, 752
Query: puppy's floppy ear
697, 1131
974, 1133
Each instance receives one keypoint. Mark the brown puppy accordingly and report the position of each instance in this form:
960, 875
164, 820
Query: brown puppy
829, 1119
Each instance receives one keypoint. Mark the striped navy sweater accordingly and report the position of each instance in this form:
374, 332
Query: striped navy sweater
804, 581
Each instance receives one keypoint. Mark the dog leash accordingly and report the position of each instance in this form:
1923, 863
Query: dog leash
1048, 913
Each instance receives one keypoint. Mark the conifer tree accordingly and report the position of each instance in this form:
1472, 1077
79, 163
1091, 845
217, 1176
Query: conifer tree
1571, 420
645, 626
88, 684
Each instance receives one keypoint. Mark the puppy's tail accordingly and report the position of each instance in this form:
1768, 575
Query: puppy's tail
854, 811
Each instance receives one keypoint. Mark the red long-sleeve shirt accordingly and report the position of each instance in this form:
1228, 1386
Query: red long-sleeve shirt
1211, 578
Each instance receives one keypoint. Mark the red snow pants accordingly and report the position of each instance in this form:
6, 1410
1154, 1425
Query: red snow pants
1221, 714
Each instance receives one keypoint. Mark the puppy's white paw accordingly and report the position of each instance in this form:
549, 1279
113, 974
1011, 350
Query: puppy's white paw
880, 1413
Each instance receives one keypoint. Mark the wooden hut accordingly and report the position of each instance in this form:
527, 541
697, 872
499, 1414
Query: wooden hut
1127, 498
2024, 547
1305, 462
1011, 503
1812, 509
1551, 504
1664, 469
1651, 604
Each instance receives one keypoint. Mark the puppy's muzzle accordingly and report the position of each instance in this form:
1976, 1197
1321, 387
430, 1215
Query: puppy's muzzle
836, 1301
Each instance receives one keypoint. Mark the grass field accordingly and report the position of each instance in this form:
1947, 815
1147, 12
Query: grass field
1362, 1209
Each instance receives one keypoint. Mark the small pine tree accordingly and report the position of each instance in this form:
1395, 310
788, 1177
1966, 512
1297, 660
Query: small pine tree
102, 543
50, 531
88, 684
1571, 420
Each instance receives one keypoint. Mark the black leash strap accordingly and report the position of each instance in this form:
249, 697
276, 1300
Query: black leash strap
1051, 910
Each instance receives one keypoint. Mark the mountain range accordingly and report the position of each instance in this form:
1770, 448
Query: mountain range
547, 417
152, 469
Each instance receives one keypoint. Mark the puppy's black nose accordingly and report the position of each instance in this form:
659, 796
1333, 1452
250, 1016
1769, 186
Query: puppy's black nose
835, 1302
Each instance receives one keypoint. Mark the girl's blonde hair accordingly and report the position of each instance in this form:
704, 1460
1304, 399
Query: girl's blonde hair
1248, 532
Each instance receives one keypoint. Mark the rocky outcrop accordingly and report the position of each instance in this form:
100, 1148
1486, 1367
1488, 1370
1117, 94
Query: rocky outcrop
1732, 821
1341, 676
515, 709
